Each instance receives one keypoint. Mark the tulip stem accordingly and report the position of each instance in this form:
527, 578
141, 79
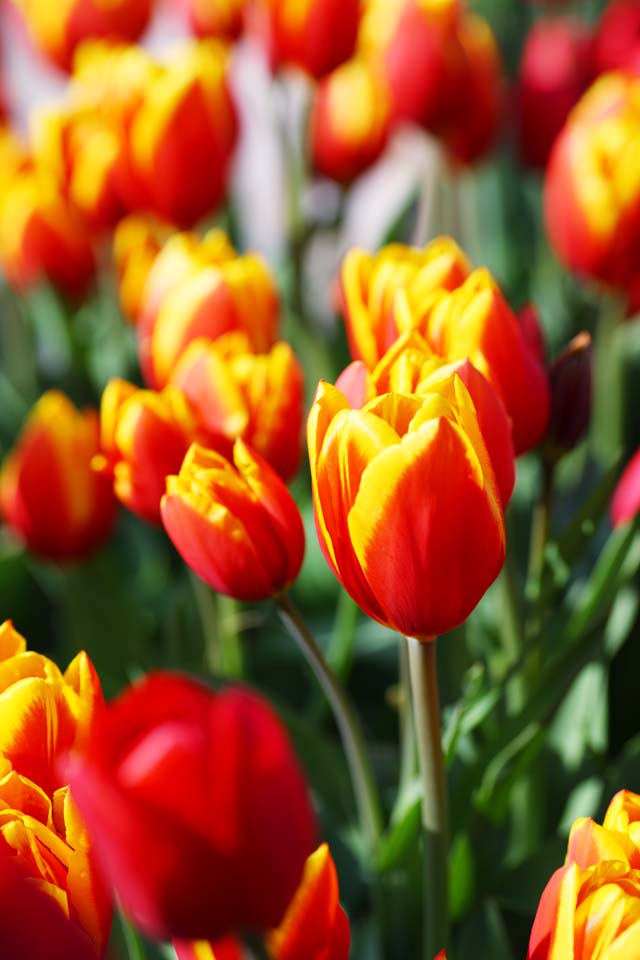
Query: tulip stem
426, 712
348, 724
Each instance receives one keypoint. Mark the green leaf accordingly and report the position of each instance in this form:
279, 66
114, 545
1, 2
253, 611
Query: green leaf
404, 831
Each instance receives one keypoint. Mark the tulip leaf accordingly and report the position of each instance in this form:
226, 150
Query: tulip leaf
484, 934
403, 833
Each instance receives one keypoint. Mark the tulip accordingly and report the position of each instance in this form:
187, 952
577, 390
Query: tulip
143, 436
616, 44
316, 36
460, 315
592, 186
221, 19
570, 382
236, 525
236, 393
350, 121
183, 135
626, 498
410, 367
591, 907
43, 238
137, 241
198, 289
227, 949
49, 495
197, 808
46, 860
315, 926
58, 33
407, 509
554, 73
414, 41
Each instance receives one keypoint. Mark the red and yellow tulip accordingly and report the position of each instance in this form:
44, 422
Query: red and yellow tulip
202, 289
49, 495
197, 808
46, 859
235, 524
220, 19
137, 241
408, 513
350, 120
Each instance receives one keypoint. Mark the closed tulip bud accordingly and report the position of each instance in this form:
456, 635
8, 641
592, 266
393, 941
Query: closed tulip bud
616, 44
592, 185
235, 524
58, 32
350, 120
407, 509
369, 284
49, 495
46, 860
43, 237
256, 397
316, 36
591, 907
229, 856
183, 135
137, 241
570, 381
415, 42
555, 70
143, 436
626, 498
199, 289
220, 19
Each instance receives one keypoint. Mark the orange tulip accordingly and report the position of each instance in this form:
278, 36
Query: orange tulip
236, 525
43, 237
460, 314
221, 19
43, 842
49, 495
592, 186
202, 288
236, 393
410, 367
408, 512
591, 907
315, 35
58, 30
183, 135
350, 120
144, 436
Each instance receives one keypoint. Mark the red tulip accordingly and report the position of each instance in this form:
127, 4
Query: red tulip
626, 499
617, 38
197, 808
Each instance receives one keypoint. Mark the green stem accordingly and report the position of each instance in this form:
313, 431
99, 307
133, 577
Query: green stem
608, 400
222, 647
132, 939
341, 650
540, 530
353, 741
407, 727
426, 712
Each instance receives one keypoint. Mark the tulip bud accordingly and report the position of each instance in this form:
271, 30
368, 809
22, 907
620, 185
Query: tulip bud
228, 857
58, 32
220, 19
570, 381
350, 121
316, 36
592, 185
616, 43
43, 238
197, 289
256, 397
407, 509
236, 525
626, 498
49, 495
47, 866
554, 73
183, 134
144, 437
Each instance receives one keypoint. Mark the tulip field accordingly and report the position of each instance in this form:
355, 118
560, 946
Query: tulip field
319, 480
